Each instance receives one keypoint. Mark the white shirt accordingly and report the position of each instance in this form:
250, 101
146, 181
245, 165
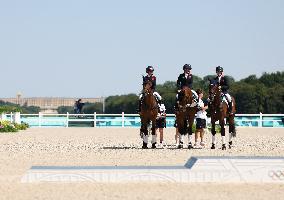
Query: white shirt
201, 113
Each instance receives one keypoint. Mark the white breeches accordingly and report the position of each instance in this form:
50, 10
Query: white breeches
156, 94
194, 94
228, 97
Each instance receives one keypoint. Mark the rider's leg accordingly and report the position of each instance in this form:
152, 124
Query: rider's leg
194, 95
139, 103
177, 100
229, 99
158, 97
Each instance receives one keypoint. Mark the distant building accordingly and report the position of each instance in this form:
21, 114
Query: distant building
49, 104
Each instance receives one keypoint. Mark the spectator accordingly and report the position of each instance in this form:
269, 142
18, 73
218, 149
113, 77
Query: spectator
78, 106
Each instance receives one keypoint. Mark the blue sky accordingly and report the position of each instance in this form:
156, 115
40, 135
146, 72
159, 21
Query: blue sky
98, 48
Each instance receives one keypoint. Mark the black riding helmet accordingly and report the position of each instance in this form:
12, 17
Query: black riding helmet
187, 66
219, 69
149, 69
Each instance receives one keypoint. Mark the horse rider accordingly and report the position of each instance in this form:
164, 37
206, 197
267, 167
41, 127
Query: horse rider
185, 79
223, 83
152, 78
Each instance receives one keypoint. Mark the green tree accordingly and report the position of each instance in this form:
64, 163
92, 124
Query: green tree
65, 109
90, 108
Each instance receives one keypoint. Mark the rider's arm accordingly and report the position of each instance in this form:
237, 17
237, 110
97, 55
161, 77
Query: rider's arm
154, 82
179, 83
225, 86
191, 81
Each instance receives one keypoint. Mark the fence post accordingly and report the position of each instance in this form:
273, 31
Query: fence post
95, 119
11, 117
260, 120
122, 116
39, 119
67, 119
17, 118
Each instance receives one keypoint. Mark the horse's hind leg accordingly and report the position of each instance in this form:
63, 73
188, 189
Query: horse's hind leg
232, 130
190, 135
144, 130
213, 132
182, 132
154, 135
222, 124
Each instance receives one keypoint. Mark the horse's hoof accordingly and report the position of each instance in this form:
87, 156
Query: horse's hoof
180, 146
223, 147
154, 145
190, 146
144, 146
213, 146
230, 144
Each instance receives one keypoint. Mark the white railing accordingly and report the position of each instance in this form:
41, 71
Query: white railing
43, 119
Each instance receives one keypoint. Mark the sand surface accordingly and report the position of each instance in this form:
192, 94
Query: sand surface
122, 146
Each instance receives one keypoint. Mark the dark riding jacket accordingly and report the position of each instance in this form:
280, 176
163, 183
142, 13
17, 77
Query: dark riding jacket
151, 79
183, 81
224, 83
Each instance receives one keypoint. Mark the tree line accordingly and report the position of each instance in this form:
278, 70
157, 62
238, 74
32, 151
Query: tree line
252, 94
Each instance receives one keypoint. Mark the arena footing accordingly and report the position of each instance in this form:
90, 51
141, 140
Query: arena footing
198, 169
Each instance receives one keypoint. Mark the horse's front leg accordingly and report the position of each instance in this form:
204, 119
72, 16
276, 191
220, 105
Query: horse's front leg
154, 135
190, 124
181, 131
213, 132
222, 124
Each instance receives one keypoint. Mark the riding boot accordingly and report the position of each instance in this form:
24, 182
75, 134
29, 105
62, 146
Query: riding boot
159, 103
230, 108
176, 106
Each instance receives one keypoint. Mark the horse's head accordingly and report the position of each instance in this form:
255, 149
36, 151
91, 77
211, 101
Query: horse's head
214, 90
147, 88
149, 101
186, 97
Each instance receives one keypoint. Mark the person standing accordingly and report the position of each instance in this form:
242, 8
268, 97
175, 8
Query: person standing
80, 105
200, 119
161, 123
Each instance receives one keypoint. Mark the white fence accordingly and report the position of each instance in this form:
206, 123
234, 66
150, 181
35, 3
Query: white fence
129, 120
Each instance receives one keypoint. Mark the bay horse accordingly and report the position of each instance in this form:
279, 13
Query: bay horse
219, 112
148, 114
185, 116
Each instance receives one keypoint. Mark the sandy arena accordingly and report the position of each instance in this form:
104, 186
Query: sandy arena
122, 147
